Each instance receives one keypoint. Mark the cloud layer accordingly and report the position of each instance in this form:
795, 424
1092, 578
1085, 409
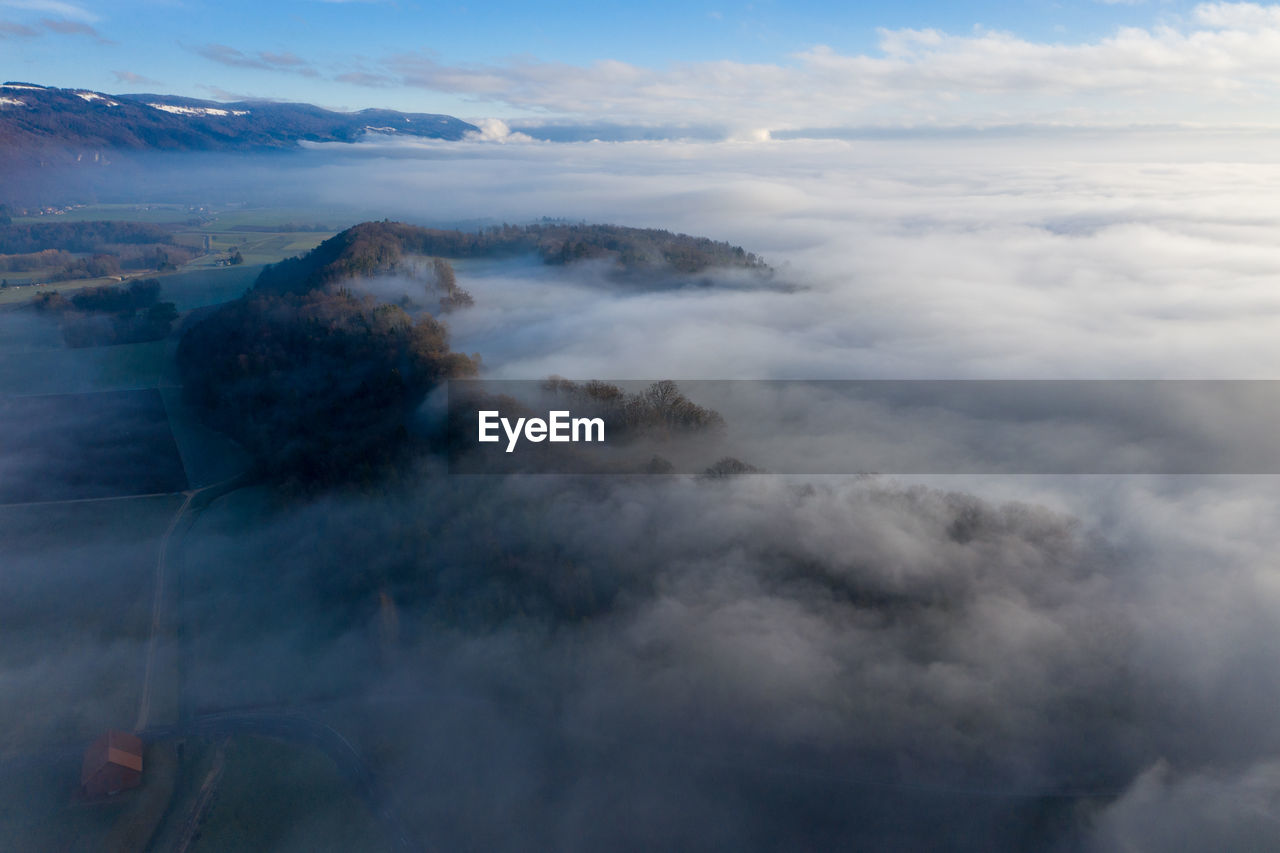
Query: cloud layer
1020, 256
764, 663
1112, 646
1218, 64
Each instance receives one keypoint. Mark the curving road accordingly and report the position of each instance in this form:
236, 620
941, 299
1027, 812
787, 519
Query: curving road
282, 725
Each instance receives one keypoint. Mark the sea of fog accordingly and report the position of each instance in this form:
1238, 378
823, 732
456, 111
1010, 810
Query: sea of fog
1138, 255
1141, 255
923, 662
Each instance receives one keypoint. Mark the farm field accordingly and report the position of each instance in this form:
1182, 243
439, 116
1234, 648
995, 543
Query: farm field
276, 796
208, 457
255, 639
50, 370
156, 213
218, 217
207, 279
75, 607
269, 217
256, 247
96, 425
63, 447
76, 598
22, 331
42, 809
195, 285
19, 290
198, 286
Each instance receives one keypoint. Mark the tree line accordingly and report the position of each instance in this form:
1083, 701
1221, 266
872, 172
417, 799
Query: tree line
78, 236
103, 316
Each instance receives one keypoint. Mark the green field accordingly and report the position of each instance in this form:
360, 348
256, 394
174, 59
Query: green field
275, 796
40, 806
197, 287
75, 613
207, 279
278, 216
77, 585
22, 332
208, 456
158, 213
256, 247
255, 638
15, 293
74, 371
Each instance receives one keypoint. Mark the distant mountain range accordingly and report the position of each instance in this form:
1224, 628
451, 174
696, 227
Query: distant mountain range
41, 124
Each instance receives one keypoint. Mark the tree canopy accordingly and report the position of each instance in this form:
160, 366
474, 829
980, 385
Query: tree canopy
102, 316
321, 386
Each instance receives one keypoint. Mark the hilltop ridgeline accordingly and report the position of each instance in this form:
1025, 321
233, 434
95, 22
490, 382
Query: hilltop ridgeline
375, 248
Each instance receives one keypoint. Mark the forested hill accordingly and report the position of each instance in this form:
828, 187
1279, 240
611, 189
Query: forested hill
322, 383
372, 248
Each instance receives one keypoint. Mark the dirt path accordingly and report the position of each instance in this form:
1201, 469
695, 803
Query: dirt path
197, 500
157, 612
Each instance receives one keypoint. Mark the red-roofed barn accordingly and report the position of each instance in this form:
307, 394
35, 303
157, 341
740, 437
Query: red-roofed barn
112, 764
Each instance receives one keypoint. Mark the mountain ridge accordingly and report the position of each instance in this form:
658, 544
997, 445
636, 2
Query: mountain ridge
46, 125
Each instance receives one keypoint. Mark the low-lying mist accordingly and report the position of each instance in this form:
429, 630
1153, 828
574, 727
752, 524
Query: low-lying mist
770, 662
1082, 256
780, 662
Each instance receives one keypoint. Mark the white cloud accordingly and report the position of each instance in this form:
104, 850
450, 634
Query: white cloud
1223, 65
1088, 255
134, 79
54, 7
1034, 255
1230, 809
1237, 16
495, 130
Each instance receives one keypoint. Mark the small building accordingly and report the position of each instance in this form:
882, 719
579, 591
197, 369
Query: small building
111, 765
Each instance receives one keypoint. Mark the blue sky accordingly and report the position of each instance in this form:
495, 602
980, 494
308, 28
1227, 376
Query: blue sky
759, 64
